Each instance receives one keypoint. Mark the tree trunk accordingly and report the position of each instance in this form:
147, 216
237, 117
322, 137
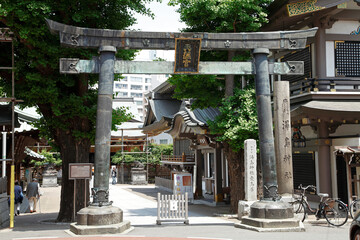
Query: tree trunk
236, 175
72, 151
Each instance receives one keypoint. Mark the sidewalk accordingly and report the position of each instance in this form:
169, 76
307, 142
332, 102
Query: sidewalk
139, 204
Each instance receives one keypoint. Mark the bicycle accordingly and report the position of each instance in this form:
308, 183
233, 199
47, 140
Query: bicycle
354, 206
333, 210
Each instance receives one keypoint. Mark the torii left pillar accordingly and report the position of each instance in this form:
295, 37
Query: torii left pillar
101, 217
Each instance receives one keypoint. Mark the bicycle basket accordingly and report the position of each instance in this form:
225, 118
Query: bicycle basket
329, 205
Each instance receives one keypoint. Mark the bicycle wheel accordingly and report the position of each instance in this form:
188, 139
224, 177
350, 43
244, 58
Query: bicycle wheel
299, 210
354, 207
335, 212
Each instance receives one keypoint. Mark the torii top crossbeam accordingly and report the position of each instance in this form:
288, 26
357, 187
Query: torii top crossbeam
72, 36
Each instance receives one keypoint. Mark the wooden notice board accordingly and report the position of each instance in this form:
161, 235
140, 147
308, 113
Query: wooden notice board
80, 170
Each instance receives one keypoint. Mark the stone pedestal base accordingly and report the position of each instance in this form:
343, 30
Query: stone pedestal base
271, 210
244, 208
94, 215
271, 225
271, 216
99, 220
49, 180
287, 198
100, 229
138, 177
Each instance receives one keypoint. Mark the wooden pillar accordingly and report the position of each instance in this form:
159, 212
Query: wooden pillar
324, 159
199, 163
320, 53
218, 174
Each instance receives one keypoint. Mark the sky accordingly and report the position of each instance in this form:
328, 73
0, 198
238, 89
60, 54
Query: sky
166, 19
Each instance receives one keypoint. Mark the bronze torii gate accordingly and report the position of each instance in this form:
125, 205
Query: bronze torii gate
100, 211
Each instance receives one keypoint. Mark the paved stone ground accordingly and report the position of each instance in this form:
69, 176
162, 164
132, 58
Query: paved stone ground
139, 206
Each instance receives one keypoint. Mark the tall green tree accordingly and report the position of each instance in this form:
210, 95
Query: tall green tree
66, 102
238, 115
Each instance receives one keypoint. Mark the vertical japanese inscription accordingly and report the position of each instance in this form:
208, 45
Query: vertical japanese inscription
250, 170
283, 139
187, 55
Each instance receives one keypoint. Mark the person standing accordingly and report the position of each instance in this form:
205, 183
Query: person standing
32, 193
18, 197
113, 175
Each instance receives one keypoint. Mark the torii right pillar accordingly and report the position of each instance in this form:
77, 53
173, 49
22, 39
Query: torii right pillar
270, 213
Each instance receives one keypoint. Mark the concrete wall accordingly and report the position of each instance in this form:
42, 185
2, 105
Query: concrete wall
165, 184
4, 211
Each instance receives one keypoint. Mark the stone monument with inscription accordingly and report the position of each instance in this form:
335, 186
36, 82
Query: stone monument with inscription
250, 178
49, 177
138, 174
283, 148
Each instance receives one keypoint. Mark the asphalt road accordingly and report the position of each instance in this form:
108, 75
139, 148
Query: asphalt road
140, 208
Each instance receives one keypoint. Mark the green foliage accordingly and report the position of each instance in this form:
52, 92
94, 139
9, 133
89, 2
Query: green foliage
50, 158
154, 156
66, 102
222, 15
129, 158
238, 119
206, 90
159, 59
157, 150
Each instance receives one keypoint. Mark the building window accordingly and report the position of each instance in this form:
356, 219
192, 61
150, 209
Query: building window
347, 59
135, 87
121, 86
146, 87
121, 79
163, 141
139, 103
136, 79
136, 95
147, 80
121, 94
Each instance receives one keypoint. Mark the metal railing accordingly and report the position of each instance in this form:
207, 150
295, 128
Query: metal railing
324, 85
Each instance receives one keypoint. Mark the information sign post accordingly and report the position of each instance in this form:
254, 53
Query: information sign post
79, 171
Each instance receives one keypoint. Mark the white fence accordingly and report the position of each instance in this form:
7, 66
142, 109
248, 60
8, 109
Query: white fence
172, 208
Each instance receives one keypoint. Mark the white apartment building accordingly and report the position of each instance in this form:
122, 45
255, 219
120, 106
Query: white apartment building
133, 86
136, 85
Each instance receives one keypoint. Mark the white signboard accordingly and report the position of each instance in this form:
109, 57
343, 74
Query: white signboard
183, 184
173, 205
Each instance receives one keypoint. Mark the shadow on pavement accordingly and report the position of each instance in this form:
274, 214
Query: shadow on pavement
38, 222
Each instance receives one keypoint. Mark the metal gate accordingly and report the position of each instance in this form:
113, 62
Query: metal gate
172, 208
